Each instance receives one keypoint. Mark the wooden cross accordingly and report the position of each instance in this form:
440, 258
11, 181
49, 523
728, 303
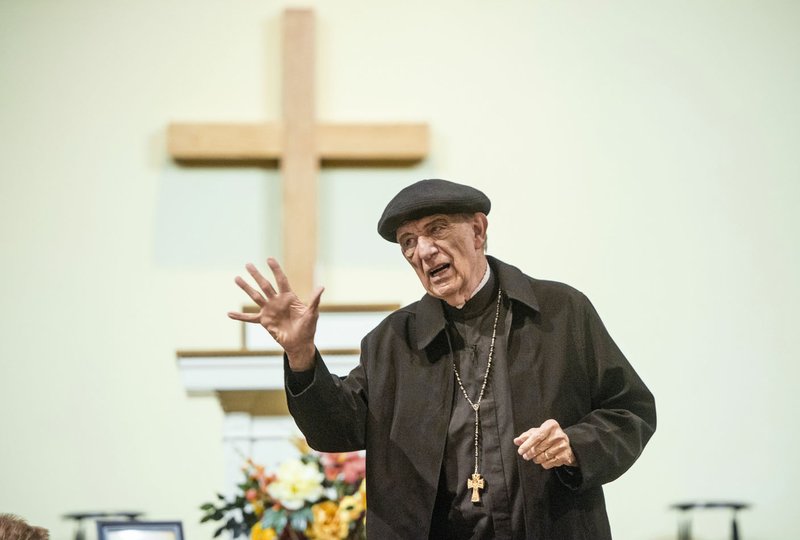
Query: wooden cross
300, 144
475, 482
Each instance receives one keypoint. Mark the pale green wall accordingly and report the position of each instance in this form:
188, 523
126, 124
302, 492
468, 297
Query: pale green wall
645, 152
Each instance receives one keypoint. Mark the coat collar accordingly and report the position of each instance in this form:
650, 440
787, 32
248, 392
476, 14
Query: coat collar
430, 314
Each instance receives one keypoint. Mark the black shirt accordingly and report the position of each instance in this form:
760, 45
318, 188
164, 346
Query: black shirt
455, 516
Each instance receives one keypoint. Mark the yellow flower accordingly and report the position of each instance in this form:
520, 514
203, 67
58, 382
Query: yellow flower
258, 508
296, 484
325, 522
260, 533
351, 508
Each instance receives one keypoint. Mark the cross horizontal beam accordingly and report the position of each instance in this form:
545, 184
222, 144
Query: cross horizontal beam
361, 143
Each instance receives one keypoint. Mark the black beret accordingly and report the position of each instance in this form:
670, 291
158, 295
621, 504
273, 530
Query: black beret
429, 197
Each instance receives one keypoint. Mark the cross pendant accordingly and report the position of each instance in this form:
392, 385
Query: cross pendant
475, 483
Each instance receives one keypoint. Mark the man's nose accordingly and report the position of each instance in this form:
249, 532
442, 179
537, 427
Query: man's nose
426, 247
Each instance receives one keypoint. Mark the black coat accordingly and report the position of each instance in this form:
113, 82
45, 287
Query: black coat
562, 364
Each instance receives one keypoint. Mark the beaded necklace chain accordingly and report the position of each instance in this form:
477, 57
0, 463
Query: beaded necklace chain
475, 482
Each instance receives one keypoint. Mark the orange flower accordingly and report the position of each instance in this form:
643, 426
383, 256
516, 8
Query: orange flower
325, 523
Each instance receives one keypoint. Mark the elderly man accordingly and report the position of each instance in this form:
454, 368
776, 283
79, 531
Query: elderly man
494, 407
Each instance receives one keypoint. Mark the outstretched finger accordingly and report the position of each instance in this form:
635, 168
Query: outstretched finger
315, 299
244, 317
263, 283
280, 277
251, 292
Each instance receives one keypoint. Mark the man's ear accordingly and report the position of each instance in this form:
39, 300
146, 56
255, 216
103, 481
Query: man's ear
479, 226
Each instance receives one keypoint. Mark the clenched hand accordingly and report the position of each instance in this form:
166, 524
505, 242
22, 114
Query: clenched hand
547, 445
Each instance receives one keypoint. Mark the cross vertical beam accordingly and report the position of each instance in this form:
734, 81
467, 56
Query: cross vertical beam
299, 160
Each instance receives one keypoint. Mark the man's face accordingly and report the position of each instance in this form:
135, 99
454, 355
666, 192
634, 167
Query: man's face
446, 252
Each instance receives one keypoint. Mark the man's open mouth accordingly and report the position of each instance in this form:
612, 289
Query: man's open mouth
439, 269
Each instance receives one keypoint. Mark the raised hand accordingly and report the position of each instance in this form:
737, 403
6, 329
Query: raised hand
287, 319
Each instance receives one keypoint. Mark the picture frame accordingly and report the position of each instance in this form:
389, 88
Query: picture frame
139, 530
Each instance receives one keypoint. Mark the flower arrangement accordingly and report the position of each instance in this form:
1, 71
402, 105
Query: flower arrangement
320, 496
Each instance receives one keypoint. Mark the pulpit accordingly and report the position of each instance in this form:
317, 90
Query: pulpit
249, 383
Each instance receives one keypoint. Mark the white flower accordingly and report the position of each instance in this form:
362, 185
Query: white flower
296, 483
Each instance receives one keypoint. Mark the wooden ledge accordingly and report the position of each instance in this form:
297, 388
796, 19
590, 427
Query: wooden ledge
245, 353
341, 308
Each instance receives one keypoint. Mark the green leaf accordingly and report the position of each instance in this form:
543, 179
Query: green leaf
300, 519
275, 519
281, 524
270, 519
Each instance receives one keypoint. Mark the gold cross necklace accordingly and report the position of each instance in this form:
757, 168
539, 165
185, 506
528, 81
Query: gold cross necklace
475, 482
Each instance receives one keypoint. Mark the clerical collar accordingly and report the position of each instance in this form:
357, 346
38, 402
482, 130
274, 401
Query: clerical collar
482, 282
481, 298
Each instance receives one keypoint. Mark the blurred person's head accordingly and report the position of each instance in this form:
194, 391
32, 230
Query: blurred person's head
15, 528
